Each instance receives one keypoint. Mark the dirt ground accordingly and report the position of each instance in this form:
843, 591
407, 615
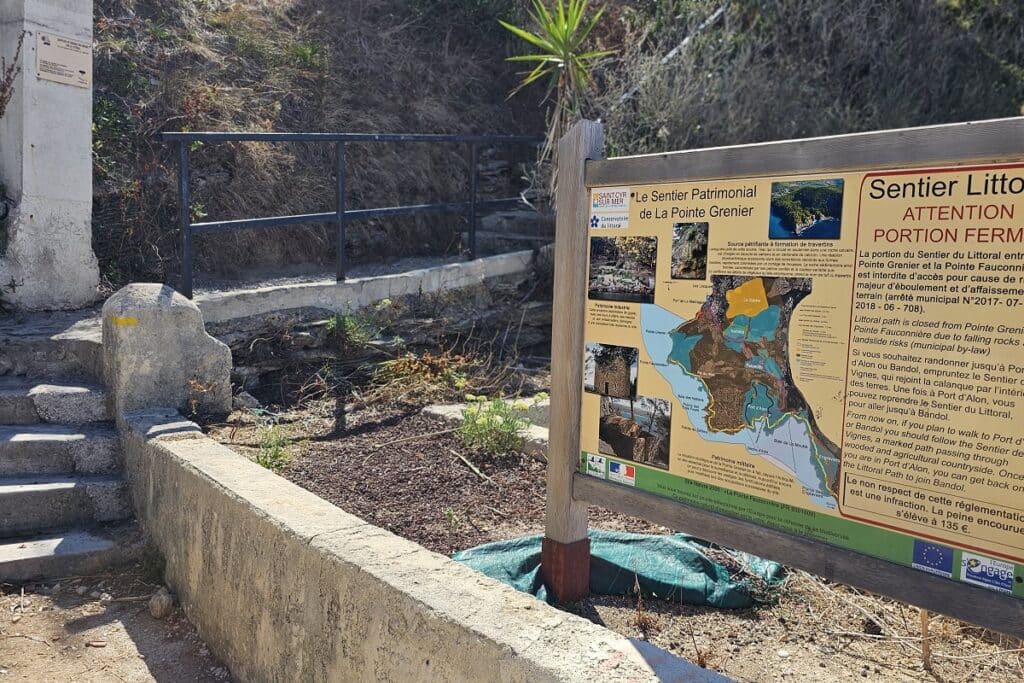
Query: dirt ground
412, 474
98, 629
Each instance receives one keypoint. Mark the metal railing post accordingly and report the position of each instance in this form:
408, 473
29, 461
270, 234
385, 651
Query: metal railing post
340, 189
473, 161
184, 215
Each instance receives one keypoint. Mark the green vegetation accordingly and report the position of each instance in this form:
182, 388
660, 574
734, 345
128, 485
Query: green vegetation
799, 205
563, 60
495, 425
355, 331
273, 449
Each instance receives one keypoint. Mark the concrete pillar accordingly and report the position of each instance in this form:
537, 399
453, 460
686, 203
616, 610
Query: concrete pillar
46, 165
157, 354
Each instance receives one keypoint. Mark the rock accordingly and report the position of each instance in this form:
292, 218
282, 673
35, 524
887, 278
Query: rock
783, 654
105, 597
304, 340
245, 377
244, 399
81, 590
161, 604
95, 595
96, 643
157, 354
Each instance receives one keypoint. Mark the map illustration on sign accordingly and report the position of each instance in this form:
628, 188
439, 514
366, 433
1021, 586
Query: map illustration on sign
729, 370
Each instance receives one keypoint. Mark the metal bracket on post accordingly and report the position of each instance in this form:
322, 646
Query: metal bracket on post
565, 552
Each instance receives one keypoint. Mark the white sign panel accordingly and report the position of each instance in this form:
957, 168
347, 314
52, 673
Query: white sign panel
63, 60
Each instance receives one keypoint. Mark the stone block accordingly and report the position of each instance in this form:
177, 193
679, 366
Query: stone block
157, 354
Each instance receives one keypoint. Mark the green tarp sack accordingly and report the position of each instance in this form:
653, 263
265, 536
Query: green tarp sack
677, 568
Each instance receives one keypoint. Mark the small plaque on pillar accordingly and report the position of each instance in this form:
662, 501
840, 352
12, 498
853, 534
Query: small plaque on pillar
63, 60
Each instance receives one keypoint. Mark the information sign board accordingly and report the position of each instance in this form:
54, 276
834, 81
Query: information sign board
63, 60
837, 355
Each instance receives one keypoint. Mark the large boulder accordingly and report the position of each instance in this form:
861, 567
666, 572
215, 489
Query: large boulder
157, 354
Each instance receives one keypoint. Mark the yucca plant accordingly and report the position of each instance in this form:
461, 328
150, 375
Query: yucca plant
563, 59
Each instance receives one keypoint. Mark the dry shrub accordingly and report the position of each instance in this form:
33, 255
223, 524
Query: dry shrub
798, 68
286, 65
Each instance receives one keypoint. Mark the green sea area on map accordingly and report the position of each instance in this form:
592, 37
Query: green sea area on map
761, 327
759, 405
682, 346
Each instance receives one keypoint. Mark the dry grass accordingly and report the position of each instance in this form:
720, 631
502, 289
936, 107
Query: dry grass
798, 68
284, 65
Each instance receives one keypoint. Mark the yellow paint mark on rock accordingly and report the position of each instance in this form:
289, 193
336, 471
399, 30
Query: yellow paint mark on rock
124, 320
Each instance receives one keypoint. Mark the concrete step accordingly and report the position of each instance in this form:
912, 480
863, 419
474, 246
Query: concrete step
28, 401
56, 449
31, 504
71, 552
58, 344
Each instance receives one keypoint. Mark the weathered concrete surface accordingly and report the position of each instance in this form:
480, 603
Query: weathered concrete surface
55, 449
71, 404
285, 586
358, 293
64, 344
29, 503
68, 553
157, 354
46, 165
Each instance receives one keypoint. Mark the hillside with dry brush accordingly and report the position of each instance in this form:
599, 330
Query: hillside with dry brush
760, 71
287, 65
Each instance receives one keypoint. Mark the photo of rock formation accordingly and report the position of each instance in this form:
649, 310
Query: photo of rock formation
636, 429
689, 251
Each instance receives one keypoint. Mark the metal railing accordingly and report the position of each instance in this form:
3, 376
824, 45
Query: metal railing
341, 215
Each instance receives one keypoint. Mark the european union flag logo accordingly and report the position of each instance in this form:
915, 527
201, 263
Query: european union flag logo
933, 558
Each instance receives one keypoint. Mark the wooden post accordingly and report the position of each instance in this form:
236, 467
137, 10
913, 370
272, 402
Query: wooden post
565, 553
926, 643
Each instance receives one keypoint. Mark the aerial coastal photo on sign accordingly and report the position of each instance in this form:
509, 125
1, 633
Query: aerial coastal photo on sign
806, 209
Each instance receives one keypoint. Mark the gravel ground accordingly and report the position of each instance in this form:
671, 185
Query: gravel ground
98, 629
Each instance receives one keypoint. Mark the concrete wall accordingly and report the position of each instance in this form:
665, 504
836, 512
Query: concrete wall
46, 165
284, 586
359, 292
